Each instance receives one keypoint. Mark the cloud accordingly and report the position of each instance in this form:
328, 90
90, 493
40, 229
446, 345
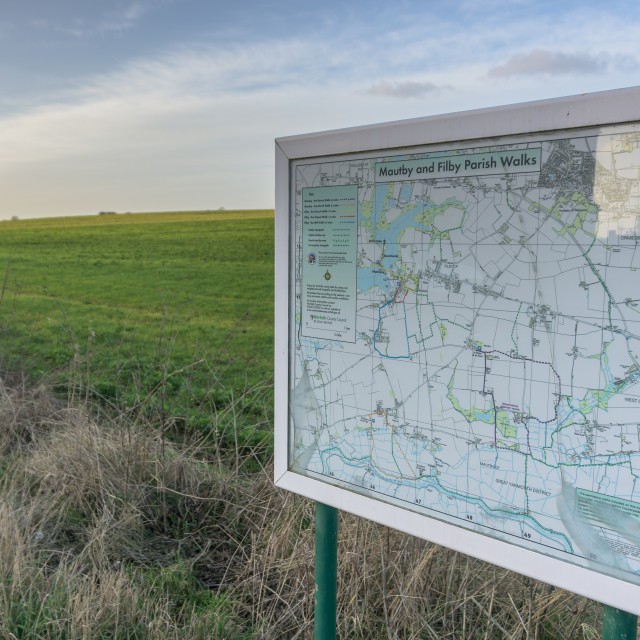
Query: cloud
194, 126
408, 89
103, 22
127, 17
625, 62
545, 62
190, 129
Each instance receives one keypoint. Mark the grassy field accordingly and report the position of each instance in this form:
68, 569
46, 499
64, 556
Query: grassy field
169, 312
136, 493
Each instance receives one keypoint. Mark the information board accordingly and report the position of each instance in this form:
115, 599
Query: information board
459, 348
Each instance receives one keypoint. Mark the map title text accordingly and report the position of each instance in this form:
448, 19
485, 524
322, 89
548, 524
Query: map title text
495, 162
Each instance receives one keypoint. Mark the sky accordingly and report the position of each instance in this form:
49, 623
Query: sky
166, 105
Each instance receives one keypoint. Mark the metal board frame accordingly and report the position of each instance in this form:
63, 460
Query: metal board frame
542, 117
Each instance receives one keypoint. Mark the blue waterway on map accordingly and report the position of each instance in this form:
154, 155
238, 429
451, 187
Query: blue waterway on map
431, 481
367, 279
390, 235
376, 334
406, 191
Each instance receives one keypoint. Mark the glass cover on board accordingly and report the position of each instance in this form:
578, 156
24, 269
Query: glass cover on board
465, 337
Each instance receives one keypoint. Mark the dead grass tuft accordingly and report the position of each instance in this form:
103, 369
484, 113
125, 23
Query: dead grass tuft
108, 530
392, 585
25, 413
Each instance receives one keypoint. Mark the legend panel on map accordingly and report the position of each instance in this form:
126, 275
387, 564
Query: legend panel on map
329, 254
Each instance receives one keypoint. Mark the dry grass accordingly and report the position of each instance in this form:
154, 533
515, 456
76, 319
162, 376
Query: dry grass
101, 527
394, 586
108, 531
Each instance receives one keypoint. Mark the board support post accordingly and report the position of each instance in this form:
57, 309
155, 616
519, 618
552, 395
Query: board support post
618, 625
326, 572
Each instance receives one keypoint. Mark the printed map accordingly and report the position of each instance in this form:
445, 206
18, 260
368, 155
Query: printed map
466, 338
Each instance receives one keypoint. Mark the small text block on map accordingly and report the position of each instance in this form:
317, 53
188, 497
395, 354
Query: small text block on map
329, 242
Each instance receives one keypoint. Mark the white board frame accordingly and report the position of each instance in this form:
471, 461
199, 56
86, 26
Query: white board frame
542, 117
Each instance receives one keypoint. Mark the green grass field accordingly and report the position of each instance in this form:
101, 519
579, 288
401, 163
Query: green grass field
143, 507
137, 304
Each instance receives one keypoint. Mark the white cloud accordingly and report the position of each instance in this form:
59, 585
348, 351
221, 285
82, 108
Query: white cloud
104, 21
407, 89
542, 61
128, 16
178, 132
195, 127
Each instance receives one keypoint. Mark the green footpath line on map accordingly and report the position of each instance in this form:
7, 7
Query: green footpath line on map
474, 164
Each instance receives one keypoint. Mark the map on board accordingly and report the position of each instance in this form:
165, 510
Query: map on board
466, 338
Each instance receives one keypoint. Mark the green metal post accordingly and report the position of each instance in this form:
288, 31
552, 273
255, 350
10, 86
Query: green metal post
326, 572
618, 625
